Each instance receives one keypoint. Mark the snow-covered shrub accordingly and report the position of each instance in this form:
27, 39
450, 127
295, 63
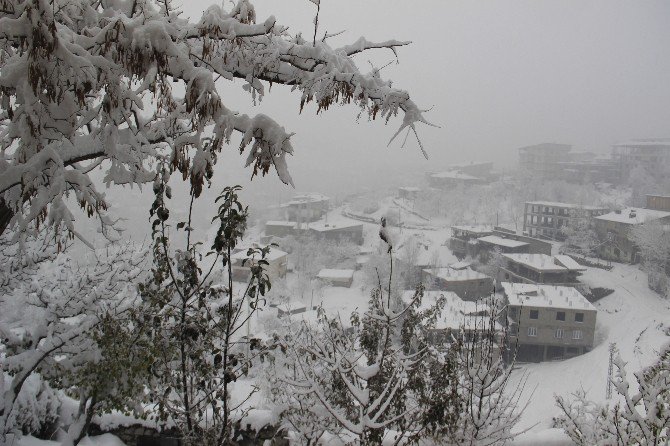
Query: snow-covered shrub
35, 411
640, 415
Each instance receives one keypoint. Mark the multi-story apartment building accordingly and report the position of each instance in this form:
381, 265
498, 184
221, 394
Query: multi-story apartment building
540, 269
651, 154
545, 219
548, 322
613, 230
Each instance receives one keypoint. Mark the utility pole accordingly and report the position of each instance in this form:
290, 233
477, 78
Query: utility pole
610, 371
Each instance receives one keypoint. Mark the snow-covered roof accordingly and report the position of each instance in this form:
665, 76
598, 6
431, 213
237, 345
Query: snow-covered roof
506, 242
546, 296
410, 189
475, 229
460, 265
644, 142
634, 216
456, 313
454, 175
280, 223
322, 226
538, 262
569, 263
455, 275
566, 205
306, 198
273, 254
329, 274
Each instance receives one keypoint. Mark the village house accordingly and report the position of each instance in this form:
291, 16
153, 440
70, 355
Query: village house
408, 192
548, 321
277, 228
336, 277
546, 219
479, 240
613, 230
465, 283
459, 319
276, 268
339, 231
464, 239
658, 202
453, 178
306, 208
540, 268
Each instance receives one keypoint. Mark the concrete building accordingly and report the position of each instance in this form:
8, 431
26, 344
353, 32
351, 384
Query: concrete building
463, 239
505, 245
658, 202
535, 245
540, 269
337, 277
453, 178
460, 319
408, 192
339, 231
541, 159
277, 228
465, 283
548, 322
613, 230
306, 208
651, 154
545, 219
276, 268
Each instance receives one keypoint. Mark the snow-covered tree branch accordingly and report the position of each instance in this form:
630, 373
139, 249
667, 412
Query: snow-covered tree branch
85, 81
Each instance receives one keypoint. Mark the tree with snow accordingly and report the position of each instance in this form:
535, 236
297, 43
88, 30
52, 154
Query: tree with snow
641, 416
196, 326
652, 238
94, 85
580, 236
51, 320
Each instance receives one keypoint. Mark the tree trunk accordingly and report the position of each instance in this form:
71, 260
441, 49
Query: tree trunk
6, 215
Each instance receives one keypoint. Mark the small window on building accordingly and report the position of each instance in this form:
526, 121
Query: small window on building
559, 333
577, 334
560, 315
532, 331
534, 314
579, 317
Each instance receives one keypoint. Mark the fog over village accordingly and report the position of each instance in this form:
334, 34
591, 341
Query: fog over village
319, 222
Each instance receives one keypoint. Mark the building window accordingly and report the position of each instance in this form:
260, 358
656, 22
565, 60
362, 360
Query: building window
559, 333
560, 315
579, 317
577, 334
532, 331
534, 314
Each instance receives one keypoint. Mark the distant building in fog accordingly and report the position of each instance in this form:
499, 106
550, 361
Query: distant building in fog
545, 219
552, 161
651, 154
306, 208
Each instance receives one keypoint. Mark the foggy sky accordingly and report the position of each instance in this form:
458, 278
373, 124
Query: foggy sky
498, 75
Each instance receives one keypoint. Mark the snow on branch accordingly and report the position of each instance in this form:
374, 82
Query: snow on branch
83, 81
